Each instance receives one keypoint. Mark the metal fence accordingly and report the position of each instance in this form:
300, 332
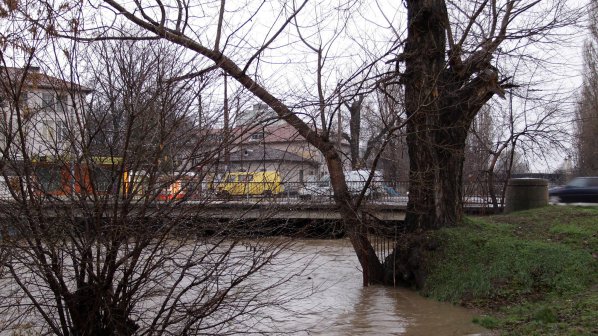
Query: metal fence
396, 192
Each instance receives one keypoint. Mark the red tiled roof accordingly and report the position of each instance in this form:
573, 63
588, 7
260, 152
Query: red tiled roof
281, 133
36, 79
275, 133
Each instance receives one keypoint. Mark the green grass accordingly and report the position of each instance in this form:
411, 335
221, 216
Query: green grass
532, 272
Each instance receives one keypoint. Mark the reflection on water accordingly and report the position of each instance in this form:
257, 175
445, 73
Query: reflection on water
340, 305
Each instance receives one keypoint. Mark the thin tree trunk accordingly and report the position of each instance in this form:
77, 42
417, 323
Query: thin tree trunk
492, 190
355, 132
372, 268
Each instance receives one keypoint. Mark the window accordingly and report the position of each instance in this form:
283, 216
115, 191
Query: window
56, 131
215, 137
47, 100
103, 179
61, 102
62, 132
257, 135
49, 178
23, 99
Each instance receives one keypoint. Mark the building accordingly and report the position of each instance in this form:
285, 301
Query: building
44, 108
261, 141
40, 128
291, 167
258, 113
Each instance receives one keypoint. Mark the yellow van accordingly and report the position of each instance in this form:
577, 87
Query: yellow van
265, 183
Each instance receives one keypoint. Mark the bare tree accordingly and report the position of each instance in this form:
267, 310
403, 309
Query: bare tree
372, 119
89, 247
450, 71
502, 132
587, 119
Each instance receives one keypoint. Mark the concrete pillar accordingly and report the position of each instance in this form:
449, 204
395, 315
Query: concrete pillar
526, 193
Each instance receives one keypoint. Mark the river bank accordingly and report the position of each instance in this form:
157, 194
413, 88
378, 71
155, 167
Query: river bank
528, 273
327, 297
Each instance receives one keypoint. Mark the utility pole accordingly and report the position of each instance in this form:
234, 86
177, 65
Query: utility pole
226, 125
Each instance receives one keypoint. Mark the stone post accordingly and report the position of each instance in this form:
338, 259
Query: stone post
526, 193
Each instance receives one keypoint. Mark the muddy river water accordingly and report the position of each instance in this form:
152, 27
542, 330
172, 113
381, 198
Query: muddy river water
338, 304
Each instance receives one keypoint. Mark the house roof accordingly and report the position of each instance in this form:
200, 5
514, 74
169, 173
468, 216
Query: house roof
36, 79
262, 154
281, 133
273, 133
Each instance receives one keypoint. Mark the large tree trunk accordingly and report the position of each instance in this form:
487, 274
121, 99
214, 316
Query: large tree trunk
443, 94
421, 204
436, 175
434, 171
449, 180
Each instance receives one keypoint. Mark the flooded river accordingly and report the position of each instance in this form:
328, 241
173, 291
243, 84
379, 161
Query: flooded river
337, 303
313, 287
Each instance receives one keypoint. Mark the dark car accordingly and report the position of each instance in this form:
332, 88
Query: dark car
578, 190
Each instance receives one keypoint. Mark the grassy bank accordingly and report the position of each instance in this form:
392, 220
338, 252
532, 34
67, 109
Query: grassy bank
529, 273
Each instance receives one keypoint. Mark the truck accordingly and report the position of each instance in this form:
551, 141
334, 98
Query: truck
265, 183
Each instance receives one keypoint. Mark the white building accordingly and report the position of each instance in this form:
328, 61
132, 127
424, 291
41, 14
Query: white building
260, 113
38, 114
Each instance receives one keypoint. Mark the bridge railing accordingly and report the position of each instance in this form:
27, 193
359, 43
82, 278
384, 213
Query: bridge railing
378, 192
388, 192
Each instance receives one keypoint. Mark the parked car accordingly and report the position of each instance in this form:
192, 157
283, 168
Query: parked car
578, 190
315, 188
356, 180
265, 183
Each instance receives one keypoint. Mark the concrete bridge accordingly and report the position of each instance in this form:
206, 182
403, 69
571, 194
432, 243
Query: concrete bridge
384, 210
285, 209
324, 209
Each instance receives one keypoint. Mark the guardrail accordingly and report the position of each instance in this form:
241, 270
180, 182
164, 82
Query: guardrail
379, 192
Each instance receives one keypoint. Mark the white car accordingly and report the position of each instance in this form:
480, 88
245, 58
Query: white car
356, 180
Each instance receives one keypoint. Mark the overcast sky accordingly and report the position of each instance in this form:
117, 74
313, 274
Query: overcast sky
351, 34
